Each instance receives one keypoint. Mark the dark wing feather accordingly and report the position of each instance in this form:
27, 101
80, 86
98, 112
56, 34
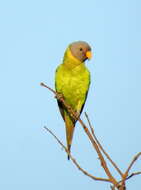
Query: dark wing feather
85, 98
61, 108
84, 103
60, 105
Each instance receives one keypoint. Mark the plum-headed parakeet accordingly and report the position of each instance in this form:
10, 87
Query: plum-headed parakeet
72, 80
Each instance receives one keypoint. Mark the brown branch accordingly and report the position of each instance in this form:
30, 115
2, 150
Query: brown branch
133, 174
125, 175
103, 162
101, 147
91, 127
130, 176
42, 84
74, 161
131, 164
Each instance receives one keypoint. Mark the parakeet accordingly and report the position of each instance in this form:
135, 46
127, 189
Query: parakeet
72, 80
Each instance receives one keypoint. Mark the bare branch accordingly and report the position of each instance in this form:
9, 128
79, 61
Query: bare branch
125, 175
133, 161
133, 174
42, 84
74, 161
100, 146
91, 127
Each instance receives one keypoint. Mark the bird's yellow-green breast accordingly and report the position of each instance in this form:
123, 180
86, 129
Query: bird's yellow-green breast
73, 84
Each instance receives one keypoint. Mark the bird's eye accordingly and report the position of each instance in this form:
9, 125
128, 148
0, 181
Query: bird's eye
80, 49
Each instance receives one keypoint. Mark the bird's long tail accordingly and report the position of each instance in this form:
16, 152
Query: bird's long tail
70, 124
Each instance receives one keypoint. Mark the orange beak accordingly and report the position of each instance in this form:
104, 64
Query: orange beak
89, 54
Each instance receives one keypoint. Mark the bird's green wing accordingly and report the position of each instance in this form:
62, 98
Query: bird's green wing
60, 105
85, 96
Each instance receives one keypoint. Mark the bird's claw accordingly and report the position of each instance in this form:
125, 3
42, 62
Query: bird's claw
76, 115
59, 96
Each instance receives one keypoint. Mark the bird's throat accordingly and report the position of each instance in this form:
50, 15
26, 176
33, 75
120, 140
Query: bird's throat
70, 61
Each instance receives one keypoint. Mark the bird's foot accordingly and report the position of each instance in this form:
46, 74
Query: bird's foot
59, 96
75, 115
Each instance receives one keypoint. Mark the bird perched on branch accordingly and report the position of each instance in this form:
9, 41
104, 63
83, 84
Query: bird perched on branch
72, 80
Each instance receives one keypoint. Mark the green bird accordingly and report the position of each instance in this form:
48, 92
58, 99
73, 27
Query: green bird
72, 80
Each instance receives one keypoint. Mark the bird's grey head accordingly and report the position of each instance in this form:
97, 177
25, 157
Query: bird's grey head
81, 50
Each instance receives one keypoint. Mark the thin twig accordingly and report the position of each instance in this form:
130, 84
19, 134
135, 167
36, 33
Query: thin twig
133, 174
88, 120
42, 84
130, 176
125, 175
100, 146
74, 161
133, 161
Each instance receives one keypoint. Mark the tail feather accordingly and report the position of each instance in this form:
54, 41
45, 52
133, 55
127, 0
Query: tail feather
69, 131
69, 147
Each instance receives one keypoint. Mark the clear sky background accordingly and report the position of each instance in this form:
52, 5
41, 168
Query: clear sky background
33, 38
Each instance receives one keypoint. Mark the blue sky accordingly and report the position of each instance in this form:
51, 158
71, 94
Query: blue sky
33, 38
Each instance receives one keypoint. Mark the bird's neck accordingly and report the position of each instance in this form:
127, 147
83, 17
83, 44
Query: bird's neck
70, 61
